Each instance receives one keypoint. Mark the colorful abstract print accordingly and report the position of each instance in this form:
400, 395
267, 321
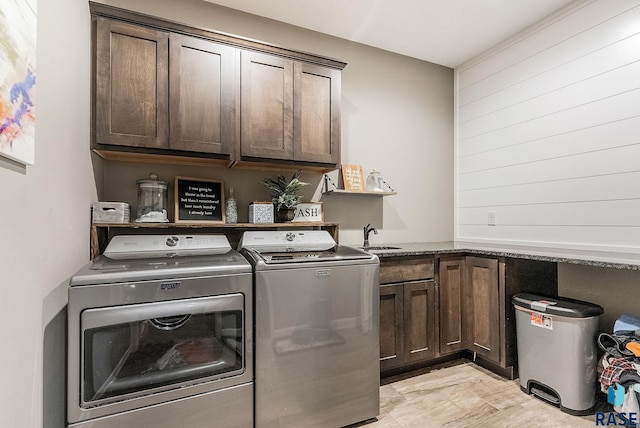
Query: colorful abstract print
19, 110
17, 79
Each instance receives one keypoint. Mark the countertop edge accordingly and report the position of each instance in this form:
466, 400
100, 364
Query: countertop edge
602, 260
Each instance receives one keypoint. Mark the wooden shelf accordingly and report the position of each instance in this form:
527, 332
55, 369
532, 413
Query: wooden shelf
101, 233
350, 192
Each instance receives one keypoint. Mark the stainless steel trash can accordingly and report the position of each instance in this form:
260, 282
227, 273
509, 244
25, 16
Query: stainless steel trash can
557, 358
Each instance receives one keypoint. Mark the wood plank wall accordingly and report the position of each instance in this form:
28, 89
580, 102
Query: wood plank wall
548, 133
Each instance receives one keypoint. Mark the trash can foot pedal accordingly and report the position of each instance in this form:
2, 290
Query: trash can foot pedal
545, 396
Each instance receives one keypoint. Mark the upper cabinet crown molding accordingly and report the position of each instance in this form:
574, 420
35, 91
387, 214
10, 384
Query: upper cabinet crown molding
99, 9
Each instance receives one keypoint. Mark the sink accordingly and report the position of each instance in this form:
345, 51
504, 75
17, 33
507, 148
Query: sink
381, 248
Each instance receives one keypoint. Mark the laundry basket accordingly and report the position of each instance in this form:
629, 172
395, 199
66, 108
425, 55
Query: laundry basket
557, 358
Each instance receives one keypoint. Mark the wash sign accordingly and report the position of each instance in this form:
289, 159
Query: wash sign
615, 396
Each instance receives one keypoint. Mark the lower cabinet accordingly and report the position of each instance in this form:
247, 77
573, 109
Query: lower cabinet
407, 314
469, 308
489, 315
482, 307
453, 334
391, 326
465, 307
419, 319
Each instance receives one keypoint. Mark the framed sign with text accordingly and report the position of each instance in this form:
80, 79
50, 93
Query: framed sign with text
353, 178
199, 200
311, 211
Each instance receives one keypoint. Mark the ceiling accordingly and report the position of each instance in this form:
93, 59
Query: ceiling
446, 32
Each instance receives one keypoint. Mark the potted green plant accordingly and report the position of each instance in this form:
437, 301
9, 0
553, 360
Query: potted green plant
284, 195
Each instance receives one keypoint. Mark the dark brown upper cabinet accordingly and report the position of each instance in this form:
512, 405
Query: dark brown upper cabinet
316, 108
290, 110
267, 106
202, 96
166, 89
131, 85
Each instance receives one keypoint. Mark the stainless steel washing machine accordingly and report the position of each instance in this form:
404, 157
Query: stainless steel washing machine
160, 335
316, 333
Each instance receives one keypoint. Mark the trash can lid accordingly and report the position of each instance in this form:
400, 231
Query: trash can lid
561, 306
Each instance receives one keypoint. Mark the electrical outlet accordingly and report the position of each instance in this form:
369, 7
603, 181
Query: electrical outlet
491, 218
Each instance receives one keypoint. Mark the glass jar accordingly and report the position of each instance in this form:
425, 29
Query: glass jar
152, 200
374, 182
231, 207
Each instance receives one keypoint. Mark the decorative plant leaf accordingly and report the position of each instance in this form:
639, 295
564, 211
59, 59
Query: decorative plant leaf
284, 193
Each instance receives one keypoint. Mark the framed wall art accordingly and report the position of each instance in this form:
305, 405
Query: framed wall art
18, 80
353, 178
199, 200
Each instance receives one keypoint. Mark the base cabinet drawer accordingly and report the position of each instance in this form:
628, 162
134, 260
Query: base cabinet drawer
406, 269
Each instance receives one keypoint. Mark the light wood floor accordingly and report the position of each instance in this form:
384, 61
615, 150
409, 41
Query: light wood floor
465, 395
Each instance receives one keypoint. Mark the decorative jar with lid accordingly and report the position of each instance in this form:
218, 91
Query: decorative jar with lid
374, 182
152, 200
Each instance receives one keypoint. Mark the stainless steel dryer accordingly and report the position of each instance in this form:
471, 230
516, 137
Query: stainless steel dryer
316, 332
160, 335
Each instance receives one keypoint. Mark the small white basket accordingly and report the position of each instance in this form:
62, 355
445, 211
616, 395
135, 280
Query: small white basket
110, 212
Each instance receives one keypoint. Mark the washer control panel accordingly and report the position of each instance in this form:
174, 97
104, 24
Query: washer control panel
287, 241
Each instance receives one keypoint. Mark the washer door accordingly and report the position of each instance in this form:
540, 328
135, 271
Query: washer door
133, 350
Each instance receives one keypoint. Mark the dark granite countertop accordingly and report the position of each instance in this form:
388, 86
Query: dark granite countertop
602, 259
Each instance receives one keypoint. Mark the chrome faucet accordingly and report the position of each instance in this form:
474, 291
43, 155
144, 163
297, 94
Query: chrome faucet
367, 230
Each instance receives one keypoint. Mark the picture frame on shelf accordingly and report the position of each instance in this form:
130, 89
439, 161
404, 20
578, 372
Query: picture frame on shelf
199, 200
353, 178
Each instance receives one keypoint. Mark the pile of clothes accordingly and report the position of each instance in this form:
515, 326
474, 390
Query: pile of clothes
620, 377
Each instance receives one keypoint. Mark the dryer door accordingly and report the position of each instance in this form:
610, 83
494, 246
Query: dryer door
134, 350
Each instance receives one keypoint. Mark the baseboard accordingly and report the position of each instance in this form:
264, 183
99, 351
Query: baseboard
408, 371
509, 372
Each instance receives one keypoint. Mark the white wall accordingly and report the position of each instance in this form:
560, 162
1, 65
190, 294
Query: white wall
548, 133
397, 117
44, 220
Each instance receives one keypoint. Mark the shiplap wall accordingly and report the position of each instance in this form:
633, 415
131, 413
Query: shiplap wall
548, 133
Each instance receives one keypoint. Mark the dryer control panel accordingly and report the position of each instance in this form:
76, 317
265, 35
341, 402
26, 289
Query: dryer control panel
142, 246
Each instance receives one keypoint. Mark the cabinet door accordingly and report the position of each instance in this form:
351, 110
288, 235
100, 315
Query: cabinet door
266, 89
483, 307
391, 326
316, 108
202, 95
131, 85
452, 333
419, 320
